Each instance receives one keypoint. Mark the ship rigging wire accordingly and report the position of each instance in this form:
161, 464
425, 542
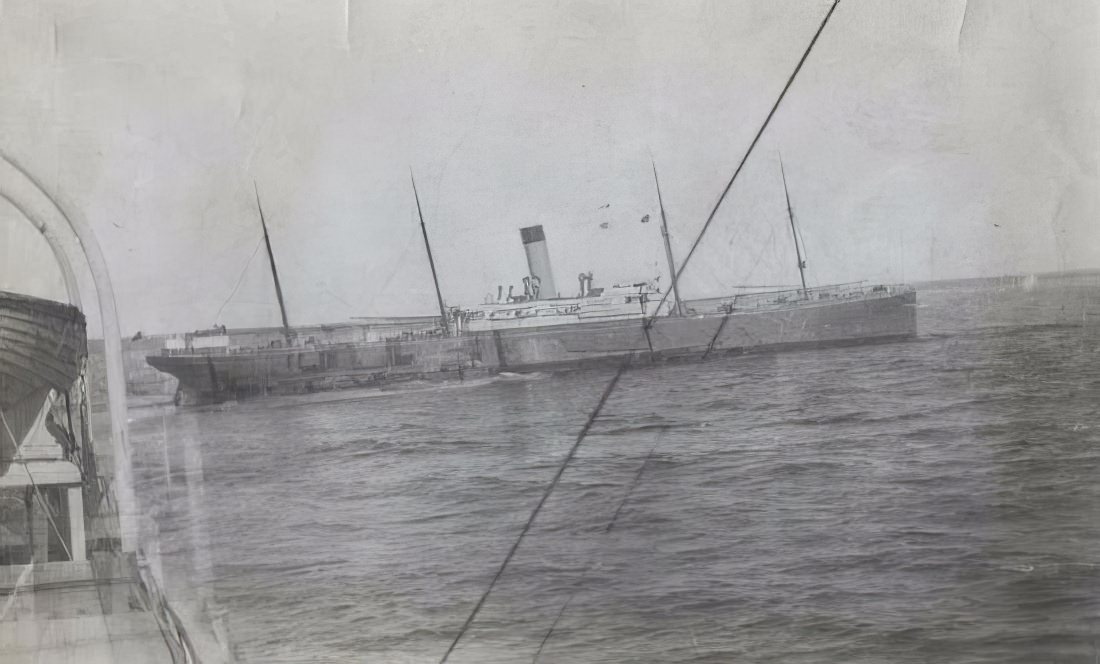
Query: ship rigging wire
542, 501
646, 324
396, 267
607, 529
34, 485
240, 279
737, 171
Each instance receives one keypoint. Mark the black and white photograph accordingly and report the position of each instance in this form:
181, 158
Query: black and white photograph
549, 331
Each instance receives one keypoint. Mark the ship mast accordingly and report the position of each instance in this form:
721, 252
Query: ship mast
794, 232
274, 272
431, 261
677, 307
752, 145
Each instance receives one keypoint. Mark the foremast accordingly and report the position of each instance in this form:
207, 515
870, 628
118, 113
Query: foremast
431, 261
678, 308
287, 332
794, 231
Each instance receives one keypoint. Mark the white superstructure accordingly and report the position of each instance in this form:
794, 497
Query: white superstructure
615, 303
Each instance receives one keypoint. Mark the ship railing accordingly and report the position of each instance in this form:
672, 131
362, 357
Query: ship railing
213, 350
309, 346
790, 297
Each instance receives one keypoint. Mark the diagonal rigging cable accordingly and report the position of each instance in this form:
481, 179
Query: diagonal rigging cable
239, 280
755, 140
626, 363
38, 493
607, 529
538, 508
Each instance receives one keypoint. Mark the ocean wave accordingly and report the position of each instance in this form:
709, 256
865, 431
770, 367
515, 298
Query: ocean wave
913, 502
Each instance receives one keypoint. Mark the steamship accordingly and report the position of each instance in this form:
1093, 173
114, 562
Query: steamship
537, 330
540, 329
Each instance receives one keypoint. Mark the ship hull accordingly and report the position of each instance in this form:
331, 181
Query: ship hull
215, 378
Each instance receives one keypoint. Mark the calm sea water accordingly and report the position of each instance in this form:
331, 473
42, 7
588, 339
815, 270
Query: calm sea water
929, 501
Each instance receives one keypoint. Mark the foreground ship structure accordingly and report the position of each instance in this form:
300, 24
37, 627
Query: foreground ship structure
80, 574
68, 589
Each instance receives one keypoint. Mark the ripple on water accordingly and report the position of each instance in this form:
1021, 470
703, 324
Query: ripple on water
925, 501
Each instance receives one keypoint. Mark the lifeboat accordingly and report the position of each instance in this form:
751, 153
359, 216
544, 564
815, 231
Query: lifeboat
42, 347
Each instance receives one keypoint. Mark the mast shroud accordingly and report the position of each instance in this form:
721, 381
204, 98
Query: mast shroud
752, 145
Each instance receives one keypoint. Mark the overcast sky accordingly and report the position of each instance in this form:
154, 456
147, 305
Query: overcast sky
922, 140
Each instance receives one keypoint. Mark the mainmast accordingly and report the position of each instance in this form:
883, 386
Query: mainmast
677, 307
752, 145
794, 232
431, 261
274, 272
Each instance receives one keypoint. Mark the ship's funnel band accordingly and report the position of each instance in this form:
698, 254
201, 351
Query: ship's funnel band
538, 260
532, 234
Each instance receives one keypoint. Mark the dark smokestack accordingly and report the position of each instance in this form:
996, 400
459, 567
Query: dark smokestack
538, 260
